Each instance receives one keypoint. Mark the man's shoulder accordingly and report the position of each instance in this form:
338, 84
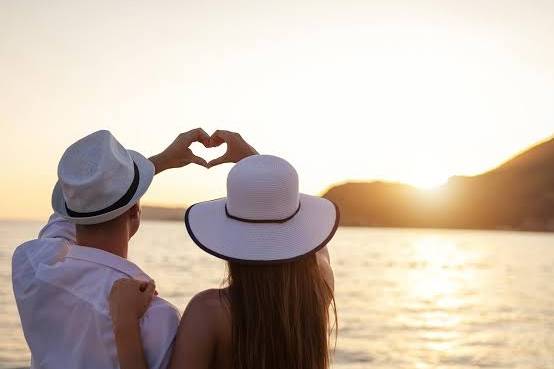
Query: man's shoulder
40, 250
164, 306
158, 327
55, 243
161, 310
159, 324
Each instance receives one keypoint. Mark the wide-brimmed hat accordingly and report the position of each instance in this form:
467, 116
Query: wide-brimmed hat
98, 179
264, 218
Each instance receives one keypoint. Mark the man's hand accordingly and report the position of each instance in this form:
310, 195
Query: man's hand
237, 148
178, 153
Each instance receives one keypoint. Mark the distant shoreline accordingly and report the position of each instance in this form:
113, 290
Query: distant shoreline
175, 214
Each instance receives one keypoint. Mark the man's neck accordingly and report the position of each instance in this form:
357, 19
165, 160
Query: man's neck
116, 244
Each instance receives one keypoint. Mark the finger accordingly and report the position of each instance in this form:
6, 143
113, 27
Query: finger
143, 286
146, 298
123, 281
200, 135
222, 159
218, 137
120, 282
150, 289
197, 134
199, 161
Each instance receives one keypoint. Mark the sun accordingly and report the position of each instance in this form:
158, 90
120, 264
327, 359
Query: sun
427, 181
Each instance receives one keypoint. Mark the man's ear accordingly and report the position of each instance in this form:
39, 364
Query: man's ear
134, 211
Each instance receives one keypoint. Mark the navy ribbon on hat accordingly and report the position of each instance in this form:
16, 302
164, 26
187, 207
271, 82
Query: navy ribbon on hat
262, 220
124, 200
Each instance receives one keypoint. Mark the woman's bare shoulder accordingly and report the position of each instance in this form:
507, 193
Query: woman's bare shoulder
211, 298
209, 306
202, 328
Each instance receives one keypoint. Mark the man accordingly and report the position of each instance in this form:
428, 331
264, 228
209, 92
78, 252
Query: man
62, 280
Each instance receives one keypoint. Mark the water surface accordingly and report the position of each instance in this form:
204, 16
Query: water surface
405, 298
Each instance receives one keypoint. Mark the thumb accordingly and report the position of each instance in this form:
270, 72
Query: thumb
222, 159
199, 161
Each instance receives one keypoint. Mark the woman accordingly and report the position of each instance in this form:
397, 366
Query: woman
274, 313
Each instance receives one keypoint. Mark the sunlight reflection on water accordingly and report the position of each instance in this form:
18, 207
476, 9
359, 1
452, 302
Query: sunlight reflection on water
406, 298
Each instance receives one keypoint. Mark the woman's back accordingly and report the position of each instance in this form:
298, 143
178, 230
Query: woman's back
270, 317
204, 336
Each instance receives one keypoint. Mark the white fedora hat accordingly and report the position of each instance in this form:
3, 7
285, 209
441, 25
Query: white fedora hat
263, 218
98, 179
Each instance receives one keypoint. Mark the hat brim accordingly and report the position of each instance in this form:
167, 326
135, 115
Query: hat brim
146, 174
241, 241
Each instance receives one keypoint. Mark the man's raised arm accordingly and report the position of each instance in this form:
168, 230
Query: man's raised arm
178, 154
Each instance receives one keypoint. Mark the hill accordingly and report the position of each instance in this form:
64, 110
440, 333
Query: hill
162, 213
519, 194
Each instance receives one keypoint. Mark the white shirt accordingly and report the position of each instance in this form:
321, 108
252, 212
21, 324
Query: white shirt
62, 289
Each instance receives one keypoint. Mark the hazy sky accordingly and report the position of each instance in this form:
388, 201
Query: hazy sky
412, 91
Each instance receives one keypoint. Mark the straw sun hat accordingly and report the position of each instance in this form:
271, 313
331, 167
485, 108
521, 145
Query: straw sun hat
264, 218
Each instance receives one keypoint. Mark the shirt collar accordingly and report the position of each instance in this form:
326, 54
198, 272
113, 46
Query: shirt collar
108, 259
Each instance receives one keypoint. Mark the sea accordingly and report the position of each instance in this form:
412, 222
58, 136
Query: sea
406, 298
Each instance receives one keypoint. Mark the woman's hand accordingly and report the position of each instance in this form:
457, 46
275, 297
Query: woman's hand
129, 299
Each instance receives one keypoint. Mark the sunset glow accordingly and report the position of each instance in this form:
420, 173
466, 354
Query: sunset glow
344, 91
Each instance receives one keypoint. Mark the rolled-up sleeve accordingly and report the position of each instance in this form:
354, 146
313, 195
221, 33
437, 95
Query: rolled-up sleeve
50, 247
58, 227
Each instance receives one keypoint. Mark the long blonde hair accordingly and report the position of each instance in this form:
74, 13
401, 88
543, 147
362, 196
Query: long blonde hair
280, 315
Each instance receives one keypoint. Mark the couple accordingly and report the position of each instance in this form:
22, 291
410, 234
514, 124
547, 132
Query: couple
84, 305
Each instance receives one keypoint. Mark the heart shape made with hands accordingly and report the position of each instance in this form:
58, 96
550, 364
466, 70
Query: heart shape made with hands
208, 153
